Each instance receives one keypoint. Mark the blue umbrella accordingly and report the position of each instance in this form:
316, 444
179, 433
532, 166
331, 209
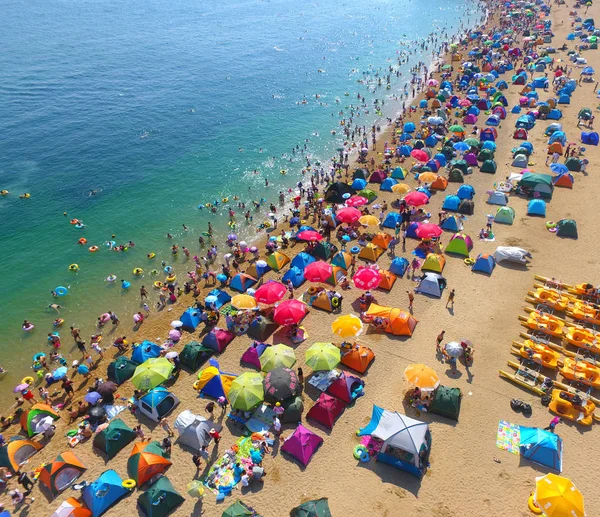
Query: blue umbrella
210, 299
346, 238
221, 277
559, 168
461, 146
294, 220
92, 397
60, 373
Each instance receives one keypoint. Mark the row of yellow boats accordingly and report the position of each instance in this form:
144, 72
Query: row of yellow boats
557, 300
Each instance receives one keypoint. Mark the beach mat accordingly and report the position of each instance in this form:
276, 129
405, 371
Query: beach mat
508, 437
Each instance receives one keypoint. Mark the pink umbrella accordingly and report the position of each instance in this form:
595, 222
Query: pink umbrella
270, 292
416, 199
318, 271
420, 155
174, 335
356, 201
289, 312
464, 103
428, 231
366, 278
432, 82
348, 215
309, 235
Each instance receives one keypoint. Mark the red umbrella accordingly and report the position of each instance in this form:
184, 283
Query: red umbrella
366, 278
348, 215
416, 199
318, 271
464, 102
428, 231
309, 235
356, 201
270, 292
420, 155
289, 312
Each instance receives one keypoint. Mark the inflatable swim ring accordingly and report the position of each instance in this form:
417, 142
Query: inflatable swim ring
171, 278
225, 200
550, 224
58, 322
27, 195
208, 205
283, 172
39, 356
196, 385
154, 272
137, 271
533, 507
168, 269
4, 192
74, 221
111, 278
29, 328
129, 484
469, 261
125, 284
27, 380
80, 226
354, 250
158, 284
312, 290
111, 244
361, 453
151, 255
93, 249
83, 240
74, 267
335, 302
61, 291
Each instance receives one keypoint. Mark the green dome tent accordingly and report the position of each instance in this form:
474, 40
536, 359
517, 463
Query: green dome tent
485, 154
239, 509
160, 499
194, 355
566, 228
540, 184
488, 166
573, 164
114, 438
121, 369
314, 508
446, 402
455, 176
505, 215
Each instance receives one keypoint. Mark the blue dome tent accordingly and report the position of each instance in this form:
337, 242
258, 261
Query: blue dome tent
589, 138
409, 127
144, 351
241, 282
466, 192
157, 403
399, 173
359, 184
452, 224
217, 298
484, 263
103, 493
541, 447
302, 260
387, 184
398, 266
392, 219
295, 275
190, 319
451, 203
536, 207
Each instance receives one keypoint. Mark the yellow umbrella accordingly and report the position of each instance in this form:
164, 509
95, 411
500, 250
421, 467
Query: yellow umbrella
323, 356
276, 356
428, 177
347, 326
557, 496
243, 301
422, 376
369, 220
400, 188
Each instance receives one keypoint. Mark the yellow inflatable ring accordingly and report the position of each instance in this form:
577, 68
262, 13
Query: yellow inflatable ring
171, 278
138, 271
128, 484
267, 224
335, 302
312, 290
93, 249
151, 255
196, 385
532, 506
225, 200
154, 272
73, 267
550, 224
158, 284
208, 205
469, 261
4, 192
27, 380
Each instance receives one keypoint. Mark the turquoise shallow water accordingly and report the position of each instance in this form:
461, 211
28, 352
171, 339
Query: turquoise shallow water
148, 104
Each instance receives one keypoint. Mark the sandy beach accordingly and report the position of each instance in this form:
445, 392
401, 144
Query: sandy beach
468, 475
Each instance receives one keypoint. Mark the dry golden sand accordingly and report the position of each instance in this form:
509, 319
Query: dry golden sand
463, 478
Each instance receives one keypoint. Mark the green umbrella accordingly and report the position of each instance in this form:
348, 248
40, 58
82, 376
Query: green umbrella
457, 129
323, 356
276, 356
151, 373
247, 391
446, 67
473, 142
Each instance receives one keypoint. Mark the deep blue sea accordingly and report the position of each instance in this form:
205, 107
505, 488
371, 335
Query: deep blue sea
158, 107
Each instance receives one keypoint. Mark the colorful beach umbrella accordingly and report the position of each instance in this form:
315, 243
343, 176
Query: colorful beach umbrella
400, 188
348, 215
246, 391
347, 325
289, 312
243, 302
280, 384
428, 177
420, 155
428, 231
323, 356
357, 201
309, 236
366, 278
277, 356
422, 376
318, 271
416, 199
557, 496
151, 373
270, 293
369, 220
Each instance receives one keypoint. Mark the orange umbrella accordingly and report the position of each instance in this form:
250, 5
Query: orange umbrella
422, 376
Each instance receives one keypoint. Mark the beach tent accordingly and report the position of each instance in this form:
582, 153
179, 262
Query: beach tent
520, 160
335, 192
536, 207
239, 509
369, 194
398, 266
511, 254
258, 269
114, 438
294, 275
157, 403
455, 176
314, 508
218, 339
392, 219
386, 280
377, 177
214, 383
337, 274
253, 353
61, 473
452, 224
485, 154
398, 173
541, 447
17, 451
216, 298
497, 198
505, 215
540, 184
362, 174
520, 134
146, 461
451, 202
371, 252
466, 207
160, 499
261, 328
277, 260
144, 351
466, 192
488, 166
326, 410
387, 184
323, 301
589, 138
302, 444
324, 250
194, 355
566, 228
525, 121
103, 493
342, 259
461, 165
460, 244
492, 120
190, 319
563, 180
69, 508
382, 240
484, 263
294, 409
242, 282
194, 430
121, 369
488, 134
446, 402
359, 184
573, 164
346, 387
554, 114
431, 284
37, 419
411, 230
434, 262
406, 441
357, 357
440, 183
400, 323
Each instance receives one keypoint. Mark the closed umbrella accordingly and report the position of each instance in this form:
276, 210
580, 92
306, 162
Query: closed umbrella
348, 325
309, 235
246, 391
289, 312
369, 220
428, 231
453, 349
270, 293
151, 373
348, 215
276, 356
416, 199
366, 278
323, 356
243, 302
557, 496
280, 384
422, 376
318, 271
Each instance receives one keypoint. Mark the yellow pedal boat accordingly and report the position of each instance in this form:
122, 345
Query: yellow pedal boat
585, 312
542, 354
567, 406
551, 298
581, 371
545, 323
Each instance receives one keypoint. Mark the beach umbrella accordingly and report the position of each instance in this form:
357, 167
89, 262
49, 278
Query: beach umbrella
318, 271
369, 220
348, 325
559, 168
269, 293
309, 235
21, 387
416, 199
348, 215
280, 384
419, 155
456, 129
473, 142
400, 188
246, 391
60, 373
323, 356
557, 496
277, 356
107, 388
243, 302
289, 312
92, 397
366, 278
356, 201
176, 324
454, 349
428, 231
422, 376
461, 146
428, 177
195, 488
465, 103
151, 373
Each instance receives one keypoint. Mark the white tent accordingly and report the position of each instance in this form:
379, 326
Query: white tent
498, 198
194, 429
520, 161
511, 254
432, 284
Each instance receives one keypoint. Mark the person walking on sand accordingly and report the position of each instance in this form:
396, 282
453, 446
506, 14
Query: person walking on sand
553, 423
164, 423
411, 299
438, 341
451, 298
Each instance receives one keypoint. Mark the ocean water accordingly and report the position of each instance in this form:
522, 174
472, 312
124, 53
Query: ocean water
159, 107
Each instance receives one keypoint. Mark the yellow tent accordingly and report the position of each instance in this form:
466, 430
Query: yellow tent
371, 252
278, 260
434, 262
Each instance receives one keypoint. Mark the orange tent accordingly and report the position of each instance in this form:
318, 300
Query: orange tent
63, 471
555, 147
440, 183
387, 279
146, 461
358, 357
435, 103
401, 323
564, 180
371, 252
72, 508
382, 240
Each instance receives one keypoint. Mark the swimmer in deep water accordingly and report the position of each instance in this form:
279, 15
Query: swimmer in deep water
55, 306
